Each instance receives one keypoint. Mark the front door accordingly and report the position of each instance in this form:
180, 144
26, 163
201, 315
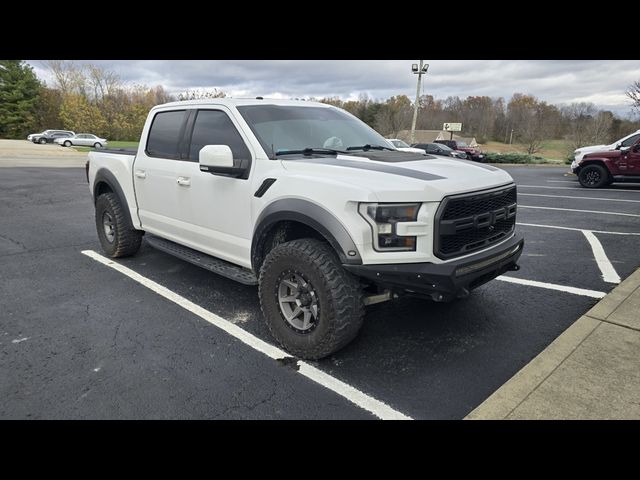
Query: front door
216, 209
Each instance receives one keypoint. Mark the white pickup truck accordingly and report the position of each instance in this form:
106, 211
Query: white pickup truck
309, 203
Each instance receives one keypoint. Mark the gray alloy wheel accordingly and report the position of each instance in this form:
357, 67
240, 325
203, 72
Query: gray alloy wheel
109, 227
97, 145
67, 143
42, 141
298, 302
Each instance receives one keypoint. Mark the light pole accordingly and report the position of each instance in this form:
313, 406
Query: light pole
417, 70
511, 137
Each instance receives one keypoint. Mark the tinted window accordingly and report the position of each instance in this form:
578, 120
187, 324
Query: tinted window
214, 127
631, 140
164, 134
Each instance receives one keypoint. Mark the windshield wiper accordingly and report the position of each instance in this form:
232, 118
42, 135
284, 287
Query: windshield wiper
371, 147
309, 151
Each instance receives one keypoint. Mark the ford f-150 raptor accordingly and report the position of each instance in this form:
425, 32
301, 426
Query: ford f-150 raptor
309, 203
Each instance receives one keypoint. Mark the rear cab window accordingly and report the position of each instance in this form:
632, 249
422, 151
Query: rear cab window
165, 134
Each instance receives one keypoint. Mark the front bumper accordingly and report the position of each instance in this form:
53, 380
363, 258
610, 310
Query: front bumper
445, 281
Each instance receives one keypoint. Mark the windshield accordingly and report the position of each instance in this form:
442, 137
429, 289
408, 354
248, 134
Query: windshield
444, 147
399, 144
291, 128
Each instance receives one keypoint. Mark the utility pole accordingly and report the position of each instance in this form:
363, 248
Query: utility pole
417, 70
511, 137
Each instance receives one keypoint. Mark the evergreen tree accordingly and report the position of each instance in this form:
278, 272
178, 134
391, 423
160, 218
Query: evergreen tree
19, 91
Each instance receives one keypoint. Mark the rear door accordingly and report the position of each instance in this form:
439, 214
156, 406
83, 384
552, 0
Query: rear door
156, 172
633, 159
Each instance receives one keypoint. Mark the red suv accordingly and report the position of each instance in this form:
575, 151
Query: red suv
472, 153
600, 169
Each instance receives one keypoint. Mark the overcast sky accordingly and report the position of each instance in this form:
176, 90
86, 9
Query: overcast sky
602, 82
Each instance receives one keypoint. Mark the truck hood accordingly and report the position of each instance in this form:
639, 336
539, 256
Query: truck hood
603, 154
399, 176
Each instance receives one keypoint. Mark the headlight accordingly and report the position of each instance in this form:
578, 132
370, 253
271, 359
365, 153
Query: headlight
383, 217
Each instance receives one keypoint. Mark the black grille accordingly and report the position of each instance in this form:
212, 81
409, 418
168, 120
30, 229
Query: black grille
471, 222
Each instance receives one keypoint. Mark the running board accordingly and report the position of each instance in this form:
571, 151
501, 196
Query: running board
213, 264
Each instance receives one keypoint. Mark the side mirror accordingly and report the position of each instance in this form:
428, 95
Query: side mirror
218, 160
618, 145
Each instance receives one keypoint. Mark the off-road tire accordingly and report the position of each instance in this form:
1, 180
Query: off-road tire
340, 298
587, 174
127, 239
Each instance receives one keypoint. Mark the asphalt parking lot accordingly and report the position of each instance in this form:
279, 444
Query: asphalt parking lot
79, 339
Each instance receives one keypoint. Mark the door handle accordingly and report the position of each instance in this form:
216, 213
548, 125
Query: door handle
184, 181
141, 174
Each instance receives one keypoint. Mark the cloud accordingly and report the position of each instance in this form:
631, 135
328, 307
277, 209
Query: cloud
555, 81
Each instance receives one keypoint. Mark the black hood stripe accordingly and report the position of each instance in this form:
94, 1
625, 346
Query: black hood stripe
374, 167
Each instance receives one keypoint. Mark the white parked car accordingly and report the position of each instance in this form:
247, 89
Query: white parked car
84, 140
404, 147
622, 143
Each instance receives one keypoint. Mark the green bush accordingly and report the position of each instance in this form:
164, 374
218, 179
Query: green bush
513, 158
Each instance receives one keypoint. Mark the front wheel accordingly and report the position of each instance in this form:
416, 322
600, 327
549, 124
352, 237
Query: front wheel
97, 145
117, 237
312, 306
42, 141
67, 143
594, 176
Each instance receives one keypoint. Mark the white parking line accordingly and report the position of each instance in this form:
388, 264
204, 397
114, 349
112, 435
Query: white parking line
355, 396
579, 188
579, 198
581, 211
575, 229
561, 181
553, 286
609, 273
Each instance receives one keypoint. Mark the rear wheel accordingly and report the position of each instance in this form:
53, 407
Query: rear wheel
117, 237
312, 306
594, 176
97, 145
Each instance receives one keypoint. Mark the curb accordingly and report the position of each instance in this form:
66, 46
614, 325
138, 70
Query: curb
519, 387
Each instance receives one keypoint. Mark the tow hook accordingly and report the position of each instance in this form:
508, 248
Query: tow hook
514, 267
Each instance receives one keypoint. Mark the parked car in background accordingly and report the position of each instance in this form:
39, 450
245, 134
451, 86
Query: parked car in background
83, 140
404, 146
600, 169
440, 149
472, 153
49, 136
622, 143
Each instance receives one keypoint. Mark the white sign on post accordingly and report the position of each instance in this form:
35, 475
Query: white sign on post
452, 127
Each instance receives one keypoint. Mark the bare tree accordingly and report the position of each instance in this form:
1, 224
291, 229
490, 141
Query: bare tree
200, 94
578, 117
634, 94
68, 77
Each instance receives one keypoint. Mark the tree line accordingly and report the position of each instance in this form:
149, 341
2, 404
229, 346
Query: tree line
93, 99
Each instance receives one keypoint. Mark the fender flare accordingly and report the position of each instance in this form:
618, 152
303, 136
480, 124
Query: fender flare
105, 176
311, 215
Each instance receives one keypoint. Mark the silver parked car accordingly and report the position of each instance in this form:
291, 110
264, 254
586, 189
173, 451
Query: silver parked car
83, 139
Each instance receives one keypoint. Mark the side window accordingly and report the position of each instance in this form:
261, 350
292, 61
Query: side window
631, 140
165, 133
214, 127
